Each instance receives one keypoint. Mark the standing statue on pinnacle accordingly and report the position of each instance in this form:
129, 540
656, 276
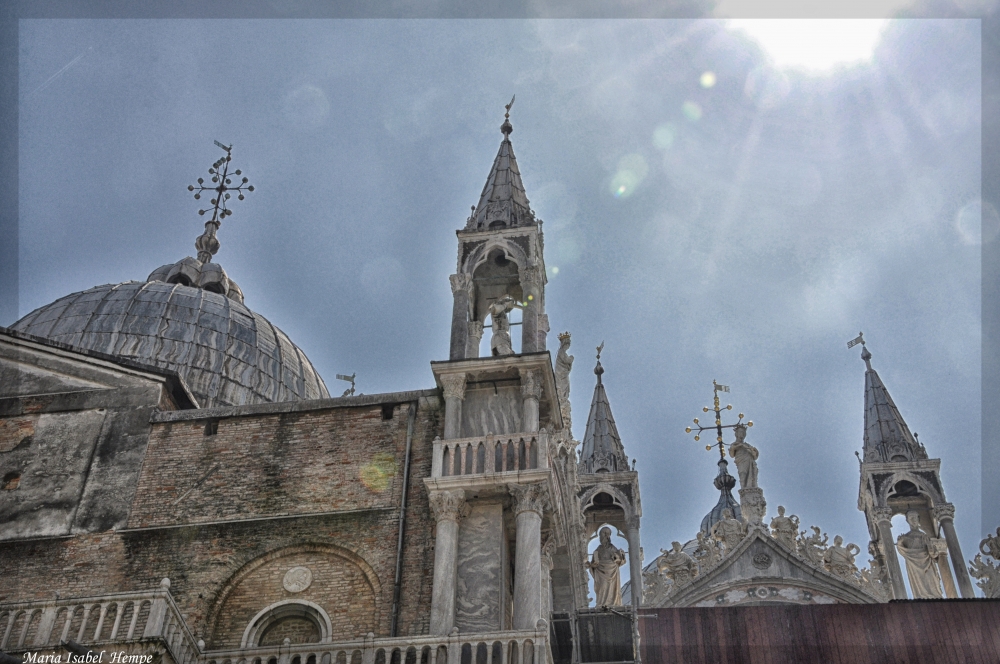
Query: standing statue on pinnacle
604, 566
564, 363
745, 456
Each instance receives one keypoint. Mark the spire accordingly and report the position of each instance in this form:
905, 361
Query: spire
724, 482
503, 203
887, 438
602, 446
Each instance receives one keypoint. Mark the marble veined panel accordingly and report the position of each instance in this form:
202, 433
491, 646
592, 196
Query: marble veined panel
480, 570
491, 410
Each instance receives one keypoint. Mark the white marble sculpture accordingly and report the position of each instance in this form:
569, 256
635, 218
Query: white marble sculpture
564, 363
985, 571
604, 565
920, 551
677, 566
813, 547
785, 528
500, 341
707, 554
728, 531
745, 456
839, 559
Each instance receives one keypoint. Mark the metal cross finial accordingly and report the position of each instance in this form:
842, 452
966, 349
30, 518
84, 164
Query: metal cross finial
207, 244
718, 426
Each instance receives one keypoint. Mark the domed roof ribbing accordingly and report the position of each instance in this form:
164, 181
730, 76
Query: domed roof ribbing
226, 354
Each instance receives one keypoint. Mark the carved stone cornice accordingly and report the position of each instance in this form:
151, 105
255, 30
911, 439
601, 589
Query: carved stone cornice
461, 282
530, 497
882, 514
454, 386
531, 383
944, 511
448, 505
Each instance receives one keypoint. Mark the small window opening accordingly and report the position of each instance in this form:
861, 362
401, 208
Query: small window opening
180, 279
10, 481
211, 427
388, 410
215, 288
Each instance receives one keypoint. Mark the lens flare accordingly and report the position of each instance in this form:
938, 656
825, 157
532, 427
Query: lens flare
555, 270
377, 473
977, 223
632, 170
692, 111
708, 79
664, 135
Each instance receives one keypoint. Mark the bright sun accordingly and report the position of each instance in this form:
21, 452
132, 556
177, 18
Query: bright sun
813, 44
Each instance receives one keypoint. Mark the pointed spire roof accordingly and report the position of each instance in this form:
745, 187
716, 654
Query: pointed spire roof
602, 446
724, 482
887, 438
503, 203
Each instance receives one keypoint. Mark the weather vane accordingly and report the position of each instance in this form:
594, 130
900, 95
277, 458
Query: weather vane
207, 244
507, 114
349, 392
718, 426
860, 339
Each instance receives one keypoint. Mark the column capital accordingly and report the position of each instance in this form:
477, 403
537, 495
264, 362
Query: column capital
632, 522
944, 511
461, 282
476, 329
531, 277
448, 505
454, 385
531, 383
882, 514
529, 497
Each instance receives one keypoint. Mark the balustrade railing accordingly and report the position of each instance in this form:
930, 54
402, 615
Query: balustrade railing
117, 619
512, 647
490, 454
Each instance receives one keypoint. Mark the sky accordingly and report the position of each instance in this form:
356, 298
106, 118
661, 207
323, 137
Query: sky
713, 209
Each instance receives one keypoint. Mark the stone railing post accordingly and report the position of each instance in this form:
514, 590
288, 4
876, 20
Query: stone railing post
454, 395
437, 456
448, 507
945, 515
883, 519
531, 392
543, 448
461, 288
530, 501
46, 624
157, 612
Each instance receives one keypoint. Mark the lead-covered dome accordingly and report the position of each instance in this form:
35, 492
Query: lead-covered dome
226, 354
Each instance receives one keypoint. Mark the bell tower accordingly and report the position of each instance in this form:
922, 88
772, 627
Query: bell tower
898, 478
499, 256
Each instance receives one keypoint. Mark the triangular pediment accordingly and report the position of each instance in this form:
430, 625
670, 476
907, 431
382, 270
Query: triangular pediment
762, 570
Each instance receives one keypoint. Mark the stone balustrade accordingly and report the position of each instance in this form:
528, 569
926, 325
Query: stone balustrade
510, 647
490, 454
98, 621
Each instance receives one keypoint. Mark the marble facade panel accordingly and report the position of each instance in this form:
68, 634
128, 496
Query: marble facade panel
478, 595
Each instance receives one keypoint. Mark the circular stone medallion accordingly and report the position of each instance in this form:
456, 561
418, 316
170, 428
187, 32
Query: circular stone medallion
297, 579
762, 561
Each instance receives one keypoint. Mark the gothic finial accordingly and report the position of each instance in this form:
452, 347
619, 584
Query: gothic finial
207, 243
865, 355
599, 369
506, 128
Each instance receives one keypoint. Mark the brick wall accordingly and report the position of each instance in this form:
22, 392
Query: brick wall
323, 484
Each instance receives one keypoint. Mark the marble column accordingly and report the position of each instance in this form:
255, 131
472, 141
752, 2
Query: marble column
883, 519
531, 392
543, 326
461, 289
447, 507
454, 395
531, 288
548, 552
945, 514
475, 337
530, 501
634, 561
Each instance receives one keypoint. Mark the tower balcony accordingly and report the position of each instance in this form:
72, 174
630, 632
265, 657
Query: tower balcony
491, 454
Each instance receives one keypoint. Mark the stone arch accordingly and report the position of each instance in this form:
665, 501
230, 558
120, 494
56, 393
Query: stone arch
587, 499
290, 608
343, 586
479, 255
923, 487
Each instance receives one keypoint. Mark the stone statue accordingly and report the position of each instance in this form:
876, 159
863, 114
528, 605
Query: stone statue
988, 576
707, 554
839, 559
729, 531
564, 363
745, 455
604, 566
873, 578
990, 546
785, 528
813, 547
654, 586
919, 551
500, 343
677, 565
